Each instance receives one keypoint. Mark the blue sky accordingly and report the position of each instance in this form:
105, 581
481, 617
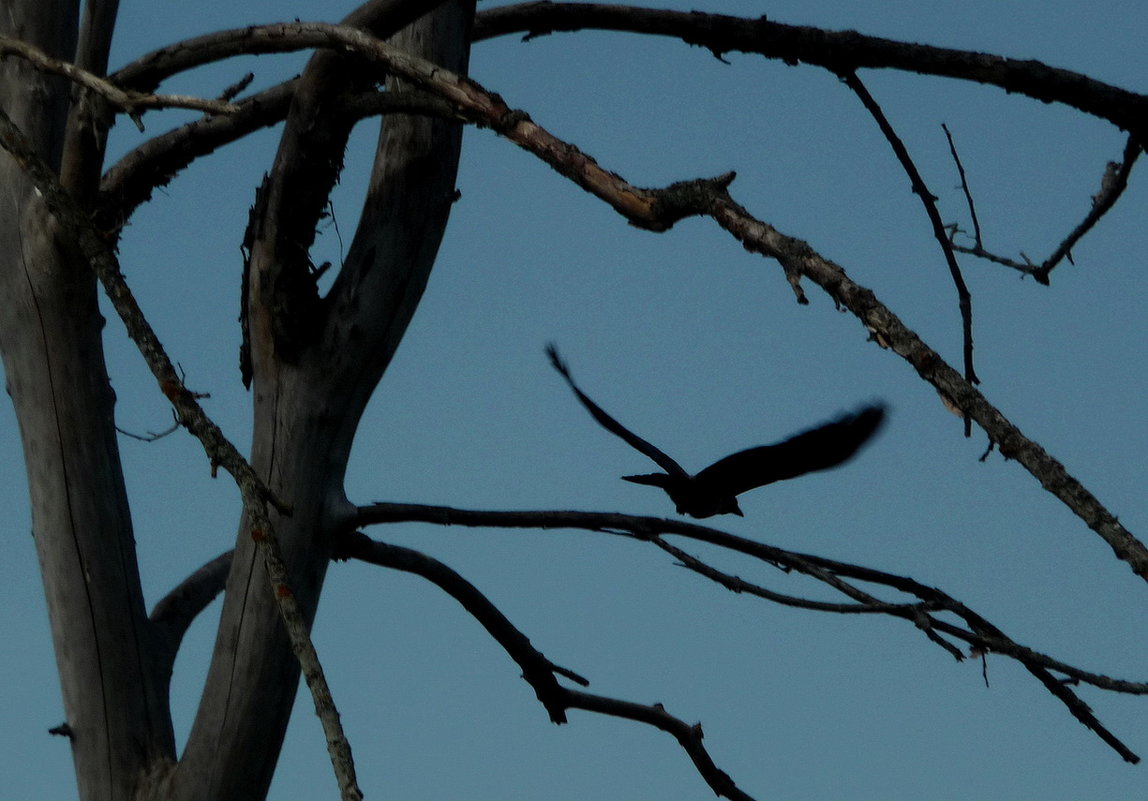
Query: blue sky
699, 347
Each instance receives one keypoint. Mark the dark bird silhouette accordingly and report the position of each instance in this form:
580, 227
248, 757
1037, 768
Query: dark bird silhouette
714, 490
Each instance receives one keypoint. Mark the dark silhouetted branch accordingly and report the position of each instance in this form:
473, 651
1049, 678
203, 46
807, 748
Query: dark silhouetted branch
964, 186
689, 737
659, 209
928, 200
978, 632
1112, 186
836, 51
130, 181
150, 436
537, 670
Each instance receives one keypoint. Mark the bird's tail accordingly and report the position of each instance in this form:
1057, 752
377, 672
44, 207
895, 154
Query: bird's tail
651, 479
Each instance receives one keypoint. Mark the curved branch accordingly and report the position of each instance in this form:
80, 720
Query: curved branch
659, 209
382, 17
537, 670
130, 181
836, 51
174, 613
1112, 186
981, 634
739, 585
689, 737
916, 612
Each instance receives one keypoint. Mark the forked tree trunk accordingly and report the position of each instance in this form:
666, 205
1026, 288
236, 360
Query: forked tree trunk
314, 364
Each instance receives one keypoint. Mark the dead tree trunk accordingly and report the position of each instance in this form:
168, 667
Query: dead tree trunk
314, 363
51, 333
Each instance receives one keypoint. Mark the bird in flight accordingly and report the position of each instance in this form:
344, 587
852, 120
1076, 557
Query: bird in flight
714, 490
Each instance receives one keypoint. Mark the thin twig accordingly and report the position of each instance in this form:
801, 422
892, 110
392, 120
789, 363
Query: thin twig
338, 747
128, 101
964, 186
150, 436
688, 736
928, 200
1112, 186
739, 585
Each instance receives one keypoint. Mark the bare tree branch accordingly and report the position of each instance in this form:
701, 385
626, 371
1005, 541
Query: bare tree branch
150, 436
130, 181
836, 51
928, 200
537, 670
382, 17
1012, 443
964, 186
866, 605
178, 608
839, 52
659, 209
981, 634
173, 614
689, 737
132, 103
1112, 186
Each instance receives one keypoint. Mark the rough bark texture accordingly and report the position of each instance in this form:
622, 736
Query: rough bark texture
315, 363
50, 335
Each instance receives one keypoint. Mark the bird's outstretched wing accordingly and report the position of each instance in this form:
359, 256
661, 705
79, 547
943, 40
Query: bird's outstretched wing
610, 424
818, 448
